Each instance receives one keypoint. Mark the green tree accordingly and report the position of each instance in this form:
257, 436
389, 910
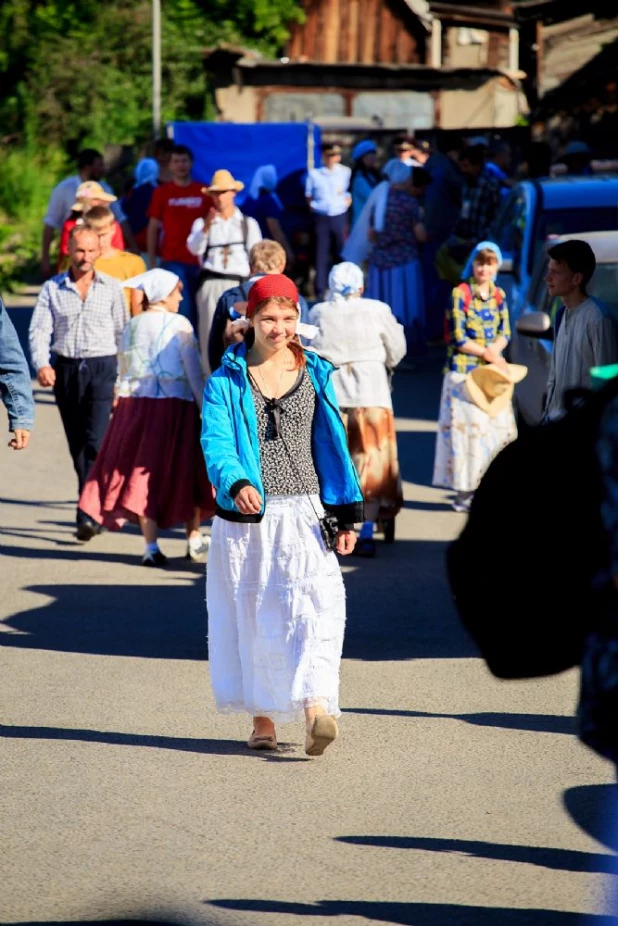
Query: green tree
74, 73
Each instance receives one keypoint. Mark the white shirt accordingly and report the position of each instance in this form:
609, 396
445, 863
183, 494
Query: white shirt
224, 247
327, 189
159, 358
362, 338
65, 194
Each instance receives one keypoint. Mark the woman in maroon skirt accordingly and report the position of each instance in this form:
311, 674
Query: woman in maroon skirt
150, 468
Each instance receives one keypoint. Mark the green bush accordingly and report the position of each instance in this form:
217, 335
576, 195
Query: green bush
26, 181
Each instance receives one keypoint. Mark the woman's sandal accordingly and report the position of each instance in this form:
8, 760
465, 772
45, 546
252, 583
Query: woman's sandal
262, 741
323, 732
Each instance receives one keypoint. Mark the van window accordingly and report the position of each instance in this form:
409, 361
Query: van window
570, 221
509, 230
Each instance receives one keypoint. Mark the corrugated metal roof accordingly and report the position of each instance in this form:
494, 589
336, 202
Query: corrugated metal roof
570, 46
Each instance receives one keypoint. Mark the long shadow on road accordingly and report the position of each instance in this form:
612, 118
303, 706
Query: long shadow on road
398, 608
544, 857
532, 723
417, 914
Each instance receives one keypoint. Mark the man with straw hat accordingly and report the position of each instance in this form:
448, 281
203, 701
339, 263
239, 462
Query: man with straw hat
222, 241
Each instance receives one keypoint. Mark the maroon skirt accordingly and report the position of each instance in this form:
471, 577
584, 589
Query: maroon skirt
150, 464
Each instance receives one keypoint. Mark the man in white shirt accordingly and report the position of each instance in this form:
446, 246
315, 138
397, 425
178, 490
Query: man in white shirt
223, 240
327, 193
89, 167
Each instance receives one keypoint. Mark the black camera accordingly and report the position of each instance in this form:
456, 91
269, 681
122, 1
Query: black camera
329, 528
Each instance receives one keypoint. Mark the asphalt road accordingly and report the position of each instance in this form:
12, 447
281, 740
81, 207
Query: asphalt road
450, 798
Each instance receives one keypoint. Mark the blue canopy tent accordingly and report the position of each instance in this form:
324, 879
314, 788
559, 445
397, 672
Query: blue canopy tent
242, 148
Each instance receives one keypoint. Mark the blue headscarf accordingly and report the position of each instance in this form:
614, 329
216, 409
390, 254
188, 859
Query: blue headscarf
468, 270
265, 178
146, 171
362, 148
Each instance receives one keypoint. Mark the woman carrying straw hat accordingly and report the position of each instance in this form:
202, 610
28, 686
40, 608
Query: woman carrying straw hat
365, 342
477, 332
287, 497
149, 469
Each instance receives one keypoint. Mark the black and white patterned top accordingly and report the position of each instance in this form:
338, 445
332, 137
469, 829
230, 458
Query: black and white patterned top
285, 426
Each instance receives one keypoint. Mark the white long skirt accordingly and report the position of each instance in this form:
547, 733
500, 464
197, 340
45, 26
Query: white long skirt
468, 439
276, 612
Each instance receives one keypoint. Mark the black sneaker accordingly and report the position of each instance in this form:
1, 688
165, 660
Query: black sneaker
154, 559
87, 529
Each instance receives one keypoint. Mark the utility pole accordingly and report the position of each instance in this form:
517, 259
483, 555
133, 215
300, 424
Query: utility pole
156, 68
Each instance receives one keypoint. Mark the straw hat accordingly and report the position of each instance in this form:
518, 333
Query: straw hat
88, 190
491, 388
223, 181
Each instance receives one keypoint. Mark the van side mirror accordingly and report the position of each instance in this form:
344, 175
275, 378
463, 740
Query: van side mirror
535, 325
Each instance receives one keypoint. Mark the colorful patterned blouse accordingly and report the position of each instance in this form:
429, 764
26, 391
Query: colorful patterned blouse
474, 319
396, 245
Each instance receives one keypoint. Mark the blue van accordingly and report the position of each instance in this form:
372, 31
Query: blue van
538, 210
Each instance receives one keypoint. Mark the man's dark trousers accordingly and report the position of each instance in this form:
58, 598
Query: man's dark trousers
84, 392
328, 229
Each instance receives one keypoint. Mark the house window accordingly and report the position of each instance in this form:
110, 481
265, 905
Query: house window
395, 109
301, 107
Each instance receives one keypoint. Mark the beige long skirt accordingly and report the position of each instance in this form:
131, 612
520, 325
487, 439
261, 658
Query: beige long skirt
372, 441
468, 439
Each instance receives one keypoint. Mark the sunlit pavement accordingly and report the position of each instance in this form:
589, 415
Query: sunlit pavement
450, 798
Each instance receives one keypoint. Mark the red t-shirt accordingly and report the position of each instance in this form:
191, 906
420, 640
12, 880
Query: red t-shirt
177, 208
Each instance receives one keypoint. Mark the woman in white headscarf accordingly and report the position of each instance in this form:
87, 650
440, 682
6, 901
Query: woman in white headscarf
363, 339
263, 205
388, 234
150, 469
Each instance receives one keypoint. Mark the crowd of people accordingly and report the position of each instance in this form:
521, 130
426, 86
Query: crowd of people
206, 388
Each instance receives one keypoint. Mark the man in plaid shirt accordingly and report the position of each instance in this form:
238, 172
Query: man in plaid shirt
80, 315
480, 197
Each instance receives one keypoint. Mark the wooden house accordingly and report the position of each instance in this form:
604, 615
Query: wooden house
390, 64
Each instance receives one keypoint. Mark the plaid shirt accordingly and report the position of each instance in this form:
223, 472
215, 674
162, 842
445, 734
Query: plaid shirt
483, 321
479, 206
63, 323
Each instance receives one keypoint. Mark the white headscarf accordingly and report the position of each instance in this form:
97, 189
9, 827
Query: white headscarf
344, 280
157, 284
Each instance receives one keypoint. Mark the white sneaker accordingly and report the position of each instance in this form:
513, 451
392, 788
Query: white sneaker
198, 554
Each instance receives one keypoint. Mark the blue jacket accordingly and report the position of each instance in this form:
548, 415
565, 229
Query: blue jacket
231, 445
15, 382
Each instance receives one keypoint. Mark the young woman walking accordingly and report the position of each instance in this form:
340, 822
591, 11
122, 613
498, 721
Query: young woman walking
149, 469
287, 497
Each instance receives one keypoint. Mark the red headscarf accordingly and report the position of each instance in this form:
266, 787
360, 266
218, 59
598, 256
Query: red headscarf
268, 286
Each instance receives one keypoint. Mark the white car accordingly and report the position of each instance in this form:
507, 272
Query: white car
532, 341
